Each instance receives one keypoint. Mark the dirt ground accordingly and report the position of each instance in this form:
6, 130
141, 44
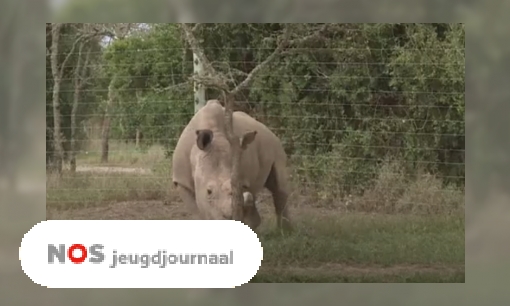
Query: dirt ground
161, 210
133, 210
334, 272
170, 209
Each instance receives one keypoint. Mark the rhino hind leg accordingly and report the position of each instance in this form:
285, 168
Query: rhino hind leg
277, 184
188, 197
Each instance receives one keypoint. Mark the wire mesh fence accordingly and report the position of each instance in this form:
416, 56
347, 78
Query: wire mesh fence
370, 116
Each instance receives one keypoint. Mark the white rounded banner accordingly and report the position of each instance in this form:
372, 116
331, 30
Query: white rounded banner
140, 253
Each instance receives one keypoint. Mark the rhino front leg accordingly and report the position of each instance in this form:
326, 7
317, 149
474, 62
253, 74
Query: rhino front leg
188, 197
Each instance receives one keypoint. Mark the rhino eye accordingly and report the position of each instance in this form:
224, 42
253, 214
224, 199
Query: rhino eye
209, 191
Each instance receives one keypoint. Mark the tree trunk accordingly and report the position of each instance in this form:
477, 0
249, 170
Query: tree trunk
139, 105
74, 109
137, 141
79, 75
105, 138
57, 135
73, 128
105, 134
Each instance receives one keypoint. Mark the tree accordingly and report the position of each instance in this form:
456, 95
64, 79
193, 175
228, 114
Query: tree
79, 80
57, 78
114, 31
215, 79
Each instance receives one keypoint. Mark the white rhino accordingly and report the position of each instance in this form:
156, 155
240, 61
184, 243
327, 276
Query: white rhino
201, 166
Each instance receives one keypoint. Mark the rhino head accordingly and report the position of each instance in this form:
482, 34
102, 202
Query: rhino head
213, 168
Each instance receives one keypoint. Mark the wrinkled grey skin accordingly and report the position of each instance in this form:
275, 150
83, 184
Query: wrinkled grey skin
201, 166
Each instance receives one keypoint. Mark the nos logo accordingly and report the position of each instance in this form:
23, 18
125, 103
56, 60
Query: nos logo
76, 253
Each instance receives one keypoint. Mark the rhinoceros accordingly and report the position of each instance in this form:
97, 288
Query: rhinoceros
201, 166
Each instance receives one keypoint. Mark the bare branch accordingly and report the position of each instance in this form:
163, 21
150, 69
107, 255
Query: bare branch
68, 56
232, 72
117, 30
171, 87
215, 79
94, 30
77, 70
317, 34
212, 78
211, 81
227, 67
97, 29
251, 76
82, 71
237, 72
87, 58
55, 37
285, 42
124, 29
192, 41
85, 80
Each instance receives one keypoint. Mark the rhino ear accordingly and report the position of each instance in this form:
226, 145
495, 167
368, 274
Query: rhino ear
247, 138
204, 138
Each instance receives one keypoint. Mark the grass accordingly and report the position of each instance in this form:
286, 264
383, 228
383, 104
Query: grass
400, 230
81, 190
95, 188
365, 248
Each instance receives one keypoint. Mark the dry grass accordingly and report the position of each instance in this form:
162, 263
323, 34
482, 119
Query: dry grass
394, 193
125, 155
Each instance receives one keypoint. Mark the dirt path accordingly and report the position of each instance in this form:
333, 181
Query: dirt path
133, 210
357, 269
103, 169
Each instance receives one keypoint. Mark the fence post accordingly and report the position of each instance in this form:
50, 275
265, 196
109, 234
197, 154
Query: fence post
199, 89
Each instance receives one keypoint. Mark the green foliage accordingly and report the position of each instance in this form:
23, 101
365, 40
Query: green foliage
369, 92
145, 66
364, 94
